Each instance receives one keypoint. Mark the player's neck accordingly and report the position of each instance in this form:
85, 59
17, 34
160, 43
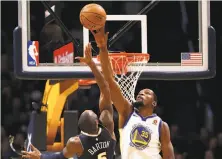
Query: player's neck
145, 112
92, 134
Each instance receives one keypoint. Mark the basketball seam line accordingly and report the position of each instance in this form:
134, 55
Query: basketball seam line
91, 21
94, 13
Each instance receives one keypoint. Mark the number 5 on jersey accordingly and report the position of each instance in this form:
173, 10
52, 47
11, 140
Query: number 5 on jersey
102, 155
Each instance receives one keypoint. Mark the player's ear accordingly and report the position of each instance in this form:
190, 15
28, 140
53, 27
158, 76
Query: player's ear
154, 103
97, 122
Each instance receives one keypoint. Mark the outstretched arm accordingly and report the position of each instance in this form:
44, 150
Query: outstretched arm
166, 145
105, 104
72, 147
122, 105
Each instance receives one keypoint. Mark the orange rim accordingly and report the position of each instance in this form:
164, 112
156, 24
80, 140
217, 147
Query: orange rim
119, 66
86, 82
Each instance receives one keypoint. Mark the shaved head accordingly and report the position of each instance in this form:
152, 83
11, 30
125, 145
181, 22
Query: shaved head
88, 122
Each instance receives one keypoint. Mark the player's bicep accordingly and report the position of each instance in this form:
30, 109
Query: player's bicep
106, 111
166, 144
107, 120
104, 88
73, 146
105, 102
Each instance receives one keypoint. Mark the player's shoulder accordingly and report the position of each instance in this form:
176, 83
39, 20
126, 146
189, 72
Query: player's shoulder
74, 141
74, 145
160, 119
165, 126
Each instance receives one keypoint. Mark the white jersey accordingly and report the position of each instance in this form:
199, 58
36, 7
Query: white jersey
140, 137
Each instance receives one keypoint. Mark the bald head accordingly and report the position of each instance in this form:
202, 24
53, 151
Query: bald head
88, 122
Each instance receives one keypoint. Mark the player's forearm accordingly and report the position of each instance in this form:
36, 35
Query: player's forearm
99, 77
119, 101
105, 63
53, 156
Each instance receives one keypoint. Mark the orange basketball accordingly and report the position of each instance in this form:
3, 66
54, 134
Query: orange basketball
92, 16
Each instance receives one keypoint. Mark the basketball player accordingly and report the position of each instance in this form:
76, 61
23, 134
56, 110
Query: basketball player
95, 141
143, 134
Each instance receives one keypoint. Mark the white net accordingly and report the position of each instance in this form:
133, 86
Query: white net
125, 77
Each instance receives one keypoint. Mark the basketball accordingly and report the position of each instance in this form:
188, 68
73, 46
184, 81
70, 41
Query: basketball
92, 16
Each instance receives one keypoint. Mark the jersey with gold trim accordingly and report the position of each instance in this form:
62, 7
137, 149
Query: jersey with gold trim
100, 146
140, 137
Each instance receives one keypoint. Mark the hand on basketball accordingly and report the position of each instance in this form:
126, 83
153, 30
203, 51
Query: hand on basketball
100, 37
87, 59
34, 154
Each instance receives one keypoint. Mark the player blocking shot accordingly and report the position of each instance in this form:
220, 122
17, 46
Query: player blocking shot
143, 135
96, 141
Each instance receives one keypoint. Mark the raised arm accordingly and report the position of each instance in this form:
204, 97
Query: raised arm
105, 103
166, 145
122, 105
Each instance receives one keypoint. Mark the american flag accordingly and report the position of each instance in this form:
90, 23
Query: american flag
191, 59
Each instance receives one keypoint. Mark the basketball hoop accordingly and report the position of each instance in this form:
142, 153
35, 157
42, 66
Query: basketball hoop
125, 77
121, 61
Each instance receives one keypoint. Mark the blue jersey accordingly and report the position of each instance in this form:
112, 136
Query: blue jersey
100, 146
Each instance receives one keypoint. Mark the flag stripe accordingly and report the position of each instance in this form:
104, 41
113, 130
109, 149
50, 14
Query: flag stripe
192, 62
191, 59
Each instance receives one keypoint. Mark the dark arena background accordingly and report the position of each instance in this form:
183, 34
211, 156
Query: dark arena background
41, 100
